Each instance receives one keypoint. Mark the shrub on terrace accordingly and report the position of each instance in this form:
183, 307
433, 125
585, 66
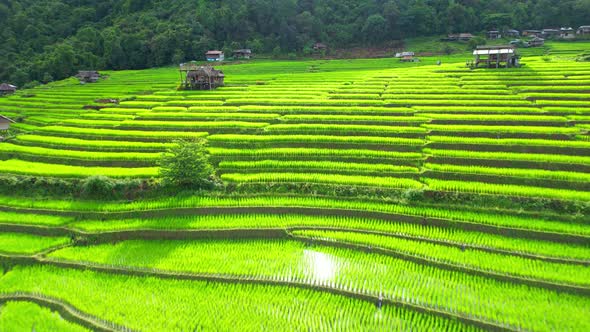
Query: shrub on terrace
187, 165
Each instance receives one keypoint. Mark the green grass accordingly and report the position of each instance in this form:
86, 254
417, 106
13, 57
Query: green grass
313, 166
18, 243
532, 157
475, 259
33, 219
305, 153
101, 145
14, 150
318, 203
117, 134
342, 129
352, 153
323, 178
230, 140
27, 316
21, 167
191, 305
453, 236
507, 141
507, 189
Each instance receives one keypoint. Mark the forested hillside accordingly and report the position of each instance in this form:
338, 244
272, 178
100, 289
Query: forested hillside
45, 40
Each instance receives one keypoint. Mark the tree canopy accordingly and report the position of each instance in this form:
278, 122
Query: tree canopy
45, 40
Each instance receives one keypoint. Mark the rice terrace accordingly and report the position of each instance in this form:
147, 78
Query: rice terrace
428, 192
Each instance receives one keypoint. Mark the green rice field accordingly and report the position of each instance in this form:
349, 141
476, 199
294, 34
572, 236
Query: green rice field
356, 195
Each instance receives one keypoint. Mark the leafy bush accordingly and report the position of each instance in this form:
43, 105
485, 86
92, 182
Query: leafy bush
98, 186
187, 165
477, 41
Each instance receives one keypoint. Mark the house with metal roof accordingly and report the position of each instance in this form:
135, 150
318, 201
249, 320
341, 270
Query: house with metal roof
500, 56
536, 41
245, 53
512, 33
550, 33
531, 33
7, 89
493, 34
567, 33
407, 57
464, 36
214, 55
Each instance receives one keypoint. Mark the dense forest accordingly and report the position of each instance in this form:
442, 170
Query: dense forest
45, 40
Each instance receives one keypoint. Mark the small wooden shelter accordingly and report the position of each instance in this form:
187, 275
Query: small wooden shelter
535, 42
318, 47
215, 55
583, 30
496, 56
407, 57
550, 33
243, 53
464, 36
512, 33
88, 76
567, 33
494, 34
5, 123
531, 33
195, 77
7, 89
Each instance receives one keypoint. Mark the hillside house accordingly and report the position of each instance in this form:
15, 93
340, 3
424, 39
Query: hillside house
493, 34
5, 123
407, 57
512, 33
243, 53
501, 56
550, 33
460, 37
531, 33
318, 47
583, 30
214, 55
567, 33
536, 42
88, 76
195, 77
7, 89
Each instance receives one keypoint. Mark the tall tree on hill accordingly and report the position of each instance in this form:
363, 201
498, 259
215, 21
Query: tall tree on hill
375, 29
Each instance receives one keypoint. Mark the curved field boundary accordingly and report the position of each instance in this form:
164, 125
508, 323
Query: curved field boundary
574, 289
500, 179
111, 237
444, 243
248, 233
139, 272
563, 137
66, 310
77, 161
331, 145
464, 225
523, 122
510, 148
552, 166
407, 175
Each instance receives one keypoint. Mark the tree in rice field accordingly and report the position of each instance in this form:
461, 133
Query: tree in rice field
187, 165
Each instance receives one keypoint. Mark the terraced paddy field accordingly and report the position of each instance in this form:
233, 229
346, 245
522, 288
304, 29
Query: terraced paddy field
357, 195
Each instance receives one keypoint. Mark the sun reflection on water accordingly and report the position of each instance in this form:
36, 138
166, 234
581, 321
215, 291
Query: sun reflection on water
319, 265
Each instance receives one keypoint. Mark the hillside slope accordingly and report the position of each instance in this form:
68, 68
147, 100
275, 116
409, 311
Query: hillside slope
50, 39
